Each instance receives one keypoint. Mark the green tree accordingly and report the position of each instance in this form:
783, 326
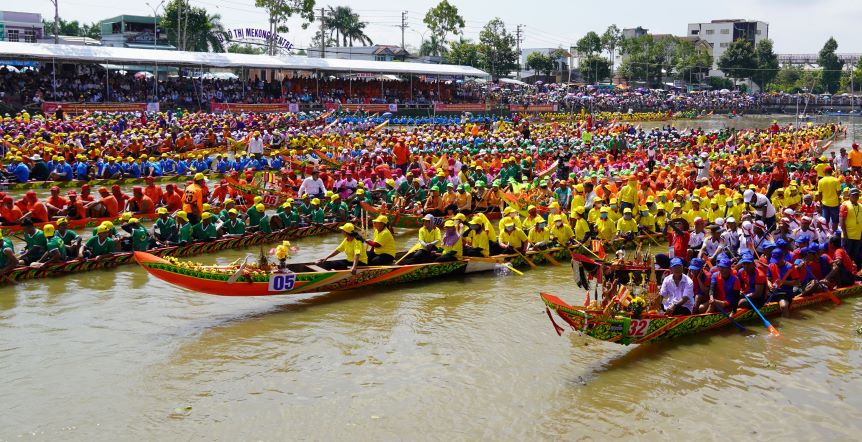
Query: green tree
442, 20
831, 66
346, 26
497, 49
200, 31
690, 62
540, 62
433, 46
595, 69
856, 75
767, 64
610, 41
280, 11
648, 58
739, 60
463, 52
589, 45
73, 28
236, 48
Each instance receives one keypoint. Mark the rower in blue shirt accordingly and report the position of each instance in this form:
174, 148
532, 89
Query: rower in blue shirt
21, 171
62, 171
82, 169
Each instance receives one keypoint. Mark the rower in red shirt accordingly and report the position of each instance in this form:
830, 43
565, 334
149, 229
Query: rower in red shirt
153, 190
9, 212
55, 202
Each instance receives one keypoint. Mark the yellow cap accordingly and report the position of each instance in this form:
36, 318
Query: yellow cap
315, 201
162, 211
182, 215
260, 207
199, 177
206, 215
258, 199
232, 212
381, 219
48, 230
449, 223
228, 201
62, 221
461, 217
102, 229
556, 218
133, 220
125, 216
555, 205
349, 228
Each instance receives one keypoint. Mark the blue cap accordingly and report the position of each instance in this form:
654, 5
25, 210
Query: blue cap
798, 262
768, 245
777, 253
724, 263
675, 262
803, 239
747, 254
746, 259
780, 243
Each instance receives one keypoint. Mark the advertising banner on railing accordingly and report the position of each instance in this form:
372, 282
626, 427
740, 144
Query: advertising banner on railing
366, 107
460, 107
533, 108
80, 108
258, 107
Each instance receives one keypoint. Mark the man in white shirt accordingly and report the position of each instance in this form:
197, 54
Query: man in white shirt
255, 145
677, 291
762, 206
312, 185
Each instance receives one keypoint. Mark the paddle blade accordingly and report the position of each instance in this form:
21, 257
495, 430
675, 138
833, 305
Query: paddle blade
772, 330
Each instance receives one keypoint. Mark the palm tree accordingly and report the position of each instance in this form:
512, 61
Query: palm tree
355, 31
432, 47
205, 39
346, 26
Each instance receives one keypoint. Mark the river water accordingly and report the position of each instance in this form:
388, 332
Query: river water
117, 355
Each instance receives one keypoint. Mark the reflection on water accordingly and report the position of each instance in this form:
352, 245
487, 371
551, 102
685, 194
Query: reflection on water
117, 352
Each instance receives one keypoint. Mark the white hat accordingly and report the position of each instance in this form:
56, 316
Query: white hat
704, 155
719, 221
748, 195
760, 223
790, 212
730, 219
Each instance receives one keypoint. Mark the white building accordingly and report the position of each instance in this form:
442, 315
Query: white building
720, 33
371, 53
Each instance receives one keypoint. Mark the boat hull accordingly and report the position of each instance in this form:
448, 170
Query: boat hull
649, 328
117, 259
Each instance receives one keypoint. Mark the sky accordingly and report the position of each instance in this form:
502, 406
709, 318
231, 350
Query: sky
795, 26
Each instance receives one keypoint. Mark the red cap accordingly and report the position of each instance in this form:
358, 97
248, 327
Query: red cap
55, 188
85, 187
115, 187
148, 179
827, 169
71, 193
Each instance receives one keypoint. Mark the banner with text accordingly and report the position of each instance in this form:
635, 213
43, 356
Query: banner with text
249, 107
462, 107
353, 107
80, 108
533, 108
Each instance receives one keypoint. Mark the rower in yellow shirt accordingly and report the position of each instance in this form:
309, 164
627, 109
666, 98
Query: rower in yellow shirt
509, 213
582, 227
477, 239
647, 220
605, 228
539, 236
627, 226
554, 209
577, 198
629, 195
383, 249
561, 232
594, 212
531, 219
695, 212
511, 237
614, 210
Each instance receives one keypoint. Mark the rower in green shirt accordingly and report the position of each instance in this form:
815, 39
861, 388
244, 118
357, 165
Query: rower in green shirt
289, 217
165, 229
264, 225
55, 250
69, 237
224, 215
337, 209
233, 226
254, 223
305, 206
100, 244
8, 259
317, 216
185, 228
35, 243
140, 238
205, 230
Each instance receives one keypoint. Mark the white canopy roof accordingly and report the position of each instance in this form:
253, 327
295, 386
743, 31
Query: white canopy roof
112, 55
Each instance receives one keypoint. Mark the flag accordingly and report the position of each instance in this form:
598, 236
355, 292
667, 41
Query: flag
598, 248
380, 126
624, 296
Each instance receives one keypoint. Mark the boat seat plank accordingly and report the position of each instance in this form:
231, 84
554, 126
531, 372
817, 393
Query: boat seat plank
316, 268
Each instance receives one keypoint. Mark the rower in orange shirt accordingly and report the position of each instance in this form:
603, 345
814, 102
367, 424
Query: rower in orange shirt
172, 199
55, 202
9, 212
193, 199
153, 190
105, 207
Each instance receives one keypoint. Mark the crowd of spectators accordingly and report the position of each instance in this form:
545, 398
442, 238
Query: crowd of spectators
94, 84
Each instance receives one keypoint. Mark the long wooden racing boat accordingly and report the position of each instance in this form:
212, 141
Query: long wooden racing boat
197, 248
310, 278
33, 185
411, 220
80, 223
624, 329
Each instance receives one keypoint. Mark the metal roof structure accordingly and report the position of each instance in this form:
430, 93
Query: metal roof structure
119, 56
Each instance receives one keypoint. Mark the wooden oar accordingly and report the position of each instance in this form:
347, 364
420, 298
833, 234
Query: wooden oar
531, 263
772, 330
547, 254
233, 278
412, 249
496, 261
